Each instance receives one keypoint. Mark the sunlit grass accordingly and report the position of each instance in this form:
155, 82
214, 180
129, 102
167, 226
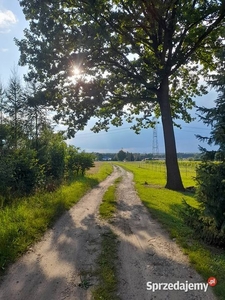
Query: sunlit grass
108, 206
100, 171
158, 169
26, 220
166, 206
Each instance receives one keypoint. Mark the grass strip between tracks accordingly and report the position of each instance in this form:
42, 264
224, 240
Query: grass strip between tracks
107, 287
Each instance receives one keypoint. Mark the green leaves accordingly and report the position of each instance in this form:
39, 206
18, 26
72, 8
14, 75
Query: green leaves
124, 50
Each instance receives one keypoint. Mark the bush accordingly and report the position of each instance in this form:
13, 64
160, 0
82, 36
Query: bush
6, 179
19, 174
209, 219
203, 226
211, 191
25, 171
77, 162
57, 153
86, 161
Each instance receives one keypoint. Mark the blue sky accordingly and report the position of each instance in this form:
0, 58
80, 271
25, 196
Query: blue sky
12, 24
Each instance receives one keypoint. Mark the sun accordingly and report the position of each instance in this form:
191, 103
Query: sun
76, 71
76, 74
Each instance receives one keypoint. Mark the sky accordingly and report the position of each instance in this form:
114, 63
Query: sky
12, 24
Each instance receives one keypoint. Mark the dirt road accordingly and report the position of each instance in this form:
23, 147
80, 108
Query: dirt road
58, 267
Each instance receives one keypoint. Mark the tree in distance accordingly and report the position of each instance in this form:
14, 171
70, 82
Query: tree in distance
121, 155
133, 60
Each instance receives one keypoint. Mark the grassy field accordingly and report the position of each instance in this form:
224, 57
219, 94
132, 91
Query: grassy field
25, 221
166, 206
187, 169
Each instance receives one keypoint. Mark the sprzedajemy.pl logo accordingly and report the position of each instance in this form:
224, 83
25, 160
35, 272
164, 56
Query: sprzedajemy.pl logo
181, 286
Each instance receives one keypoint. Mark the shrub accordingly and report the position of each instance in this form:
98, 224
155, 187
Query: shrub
203, 226
208, 220
86, 161
78, 162
25, 171
210, 179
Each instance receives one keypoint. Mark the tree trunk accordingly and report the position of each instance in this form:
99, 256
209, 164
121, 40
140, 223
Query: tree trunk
174, 181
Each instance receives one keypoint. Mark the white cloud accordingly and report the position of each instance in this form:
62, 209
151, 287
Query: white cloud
7, 19
4, 49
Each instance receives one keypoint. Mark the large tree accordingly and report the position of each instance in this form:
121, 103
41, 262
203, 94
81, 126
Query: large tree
135, 58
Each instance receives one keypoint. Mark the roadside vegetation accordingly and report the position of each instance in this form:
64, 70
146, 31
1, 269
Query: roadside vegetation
106, 289
167, 206
24, 221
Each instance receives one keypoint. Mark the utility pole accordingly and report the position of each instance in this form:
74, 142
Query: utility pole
155, 145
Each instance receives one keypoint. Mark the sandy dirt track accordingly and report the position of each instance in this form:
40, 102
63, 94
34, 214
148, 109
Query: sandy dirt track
57, 266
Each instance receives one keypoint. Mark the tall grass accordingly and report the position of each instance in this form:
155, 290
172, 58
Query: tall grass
166, 206
26, 220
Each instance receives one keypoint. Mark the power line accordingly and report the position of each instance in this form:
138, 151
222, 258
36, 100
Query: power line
111, 131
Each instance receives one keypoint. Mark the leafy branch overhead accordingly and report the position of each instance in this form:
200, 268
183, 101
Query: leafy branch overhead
136, 59
124, 49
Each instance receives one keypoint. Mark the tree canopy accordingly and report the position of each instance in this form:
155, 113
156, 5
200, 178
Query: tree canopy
135, 58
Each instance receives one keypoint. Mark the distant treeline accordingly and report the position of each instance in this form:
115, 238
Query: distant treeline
128, 156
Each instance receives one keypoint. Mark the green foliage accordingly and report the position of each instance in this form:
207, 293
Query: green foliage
72, 161
121, 155
78, 162
19, 172
86, 161
56, 163
14, 105
211, 190
215, 116
6, 179
158, 52
203, 225
148, 65
211, 176
35, 113
129, 156
25, 171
